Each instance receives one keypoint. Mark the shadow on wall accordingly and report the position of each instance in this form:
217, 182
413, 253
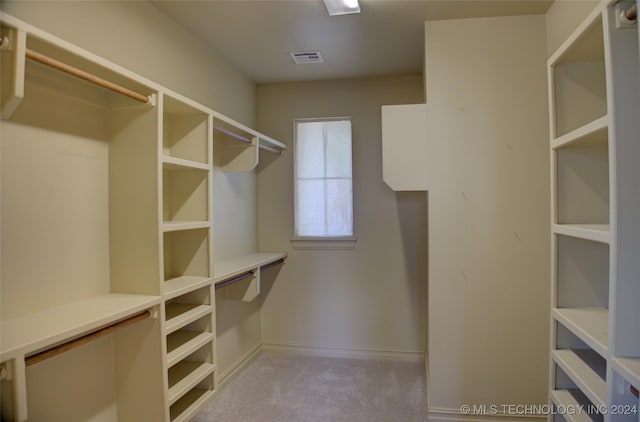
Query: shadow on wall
412, 216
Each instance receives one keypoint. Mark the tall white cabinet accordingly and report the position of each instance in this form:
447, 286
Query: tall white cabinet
107, 265
594, 92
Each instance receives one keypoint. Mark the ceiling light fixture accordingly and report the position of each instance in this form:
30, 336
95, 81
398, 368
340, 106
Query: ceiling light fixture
342, 7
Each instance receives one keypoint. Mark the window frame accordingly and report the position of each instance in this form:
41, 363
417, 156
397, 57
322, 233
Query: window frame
321, 242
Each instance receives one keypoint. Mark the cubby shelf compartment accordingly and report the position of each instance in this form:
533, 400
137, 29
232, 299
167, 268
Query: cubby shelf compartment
182, 343
595, 232
629, 369
573, 399
181, 285
185, 375
189, 404
185, 193
35, 332
587, 370
590, 325
186, 134
180, 314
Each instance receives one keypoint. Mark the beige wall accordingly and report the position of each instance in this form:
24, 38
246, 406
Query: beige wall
372, 298
488, 212
562, 18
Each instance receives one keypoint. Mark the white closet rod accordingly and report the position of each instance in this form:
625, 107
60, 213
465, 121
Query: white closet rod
72, 344
246, 140
63, 67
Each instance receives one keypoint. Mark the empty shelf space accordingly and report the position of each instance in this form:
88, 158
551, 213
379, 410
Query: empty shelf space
50, 327
223, 270
591, 325
180, 285
185, 408
586, 369
175, 163
180, 314
629, 369
595, 232
573, 400
182, 343
184, 225
595, 131
185, 375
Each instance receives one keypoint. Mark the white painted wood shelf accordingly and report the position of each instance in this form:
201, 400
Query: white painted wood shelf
594, 149
587, 370
42, 330
180, 314
189, 404
590, 325
184, 284
185, 375
175, 163
595, 232
224, 270
182, 343
572, 400
172, 226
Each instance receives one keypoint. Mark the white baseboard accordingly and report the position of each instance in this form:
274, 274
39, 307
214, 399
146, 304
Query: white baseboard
454, 415
239, 365
344, 352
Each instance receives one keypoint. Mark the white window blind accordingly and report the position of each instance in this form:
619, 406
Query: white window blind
323, 178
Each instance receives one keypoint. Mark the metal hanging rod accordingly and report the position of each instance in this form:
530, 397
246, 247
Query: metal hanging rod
246, 140
63, 67
272, 264
235, 279
72, 344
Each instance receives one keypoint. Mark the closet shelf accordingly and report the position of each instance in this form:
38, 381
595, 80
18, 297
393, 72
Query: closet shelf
186, 407
594, 232
572, 399
180, 314
42, 330
591, 325
181, 285
185, 375
175, 163
587, 369
172, 226
595, 131
182, 343
629, 369
223, 270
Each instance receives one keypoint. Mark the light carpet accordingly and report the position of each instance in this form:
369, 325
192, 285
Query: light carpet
294, 388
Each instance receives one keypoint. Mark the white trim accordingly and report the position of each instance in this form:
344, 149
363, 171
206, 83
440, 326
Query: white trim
454, 415
344, 352
324, 242
238, 366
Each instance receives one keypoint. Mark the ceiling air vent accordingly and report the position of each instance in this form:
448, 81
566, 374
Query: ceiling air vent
307, 57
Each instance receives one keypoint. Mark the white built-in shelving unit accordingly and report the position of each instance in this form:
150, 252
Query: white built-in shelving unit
107, 234
594, 91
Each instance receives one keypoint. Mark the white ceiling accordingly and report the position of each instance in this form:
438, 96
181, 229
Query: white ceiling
385, 39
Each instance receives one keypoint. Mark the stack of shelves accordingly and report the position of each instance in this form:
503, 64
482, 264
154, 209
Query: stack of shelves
187, 236
591, 114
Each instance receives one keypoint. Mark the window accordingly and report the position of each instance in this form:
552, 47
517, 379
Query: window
323, 178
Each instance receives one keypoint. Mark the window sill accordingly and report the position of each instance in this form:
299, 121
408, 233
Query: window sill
344, 243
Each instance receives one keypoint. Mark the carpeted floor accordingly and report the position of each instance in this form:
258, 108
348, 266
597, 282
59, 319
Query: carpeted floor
294, 388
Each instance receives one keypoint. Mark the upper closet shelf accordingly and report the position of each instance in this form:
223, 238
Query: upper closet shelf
42, 330
224, 270
238, 147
